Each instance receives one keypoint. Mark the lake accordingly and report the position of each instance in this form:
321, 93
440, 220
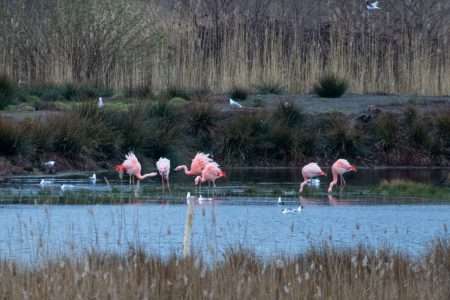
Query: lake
243, 218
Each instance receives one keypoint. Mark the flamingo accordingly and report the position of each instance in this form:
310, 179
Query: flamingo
132, 167
93, 179
309, 171
197, 165
338, 169
163, 166
210, 173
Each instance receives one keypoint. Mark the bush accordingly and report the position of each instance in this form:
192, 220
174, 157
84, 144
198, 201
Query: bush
7, 90
288, 114
331, 86
8, 138
138, 92
387, 129
202, 122
173, 92
238, 93
270, 88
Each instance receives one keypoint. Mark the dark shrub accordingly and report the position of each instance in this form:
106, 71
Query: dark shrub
173, 92
331, 86
247, 138
7, 90
201, 123
387, 130
270, 88
288, 114
8, 138
138, 92
238, 93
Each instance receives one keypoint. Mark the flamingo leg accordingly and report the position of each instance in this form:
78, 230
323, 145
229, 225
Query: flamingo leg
303, 184
168, 185
162, 183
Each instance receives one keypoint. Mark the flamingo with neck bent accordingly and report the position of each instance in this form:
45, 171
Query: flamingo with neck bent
132, 167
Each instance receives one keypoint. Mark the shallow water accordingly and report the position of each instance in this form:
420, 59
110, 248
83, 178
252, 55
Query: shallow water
31, 233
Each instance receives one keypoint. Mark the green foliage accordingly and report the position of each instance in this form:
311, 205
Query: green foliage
7, 90
173, 92
399, 187
238, 93
138, 92
68, 91
331, 86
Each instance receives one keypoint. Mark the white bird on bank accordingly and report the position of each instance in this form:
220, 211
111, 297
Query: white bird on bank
280, 202
66, 187
235, 104
45, 183
50, 166
100, 103
372, 5
93, 179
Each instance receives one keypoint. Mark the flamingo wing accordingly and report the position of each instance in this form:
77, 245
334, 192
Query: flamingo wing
132, 164
199, 162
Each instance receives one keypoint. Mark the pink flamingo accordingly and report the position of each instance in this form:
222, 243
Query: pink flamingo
163, 166
311, 170
338, 169
132, 167
210, 173
198, 163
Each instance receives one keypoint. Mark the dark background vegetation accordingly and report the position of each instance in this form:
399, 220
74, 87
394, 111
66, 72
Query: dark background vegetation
88, 137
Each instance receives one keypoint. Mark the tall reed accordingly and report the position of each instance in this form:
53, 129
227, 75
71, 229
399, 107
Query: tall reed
403, 48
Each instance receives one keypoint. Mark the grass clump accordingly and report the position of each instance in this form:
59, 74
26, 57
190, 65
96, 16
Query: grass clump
331, 86
400, 187
238, 93
7, 90
270, 88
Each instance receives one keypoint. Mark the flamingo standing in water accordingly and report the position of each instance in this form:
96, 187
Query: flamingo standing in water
198, 163
338, 169
309, 171
132, 167
163, 166
210, 173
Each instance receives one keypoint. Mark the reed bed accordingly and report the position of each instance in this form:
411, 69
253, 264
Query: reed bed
323, 272
220, 45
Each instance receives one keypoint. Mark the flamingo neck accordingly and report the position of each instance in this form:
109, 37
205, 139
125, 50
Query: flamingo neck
142, 177
186, 170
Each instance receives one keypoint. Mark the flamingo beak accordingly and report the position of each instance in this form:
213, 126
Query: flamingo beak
354, 168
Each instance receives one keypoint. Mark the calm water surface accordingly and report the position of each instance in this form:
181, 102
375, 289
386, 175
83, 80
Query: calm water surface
31, 233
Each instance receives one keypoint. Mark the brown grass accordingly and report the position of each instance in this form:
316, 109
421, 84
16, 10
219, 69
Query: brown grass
216, 44
322, 273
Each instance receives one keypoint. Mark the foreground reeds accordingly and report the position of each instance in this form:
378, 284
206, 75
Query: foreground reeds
321, 273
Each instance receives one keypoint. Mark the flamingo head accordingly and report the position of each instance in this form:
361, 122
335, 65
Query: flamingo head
197, 180
353, 168
222, 174
120, 168
322, 173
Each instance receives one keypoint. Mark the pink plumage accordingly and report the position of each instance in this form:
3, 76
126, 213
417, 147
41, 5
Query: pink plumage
311, 170
210, 173
197, 165
338, 169
132, 167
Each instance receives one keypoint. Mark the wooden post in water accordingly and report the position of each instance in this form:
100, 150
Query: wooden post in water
188, 228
